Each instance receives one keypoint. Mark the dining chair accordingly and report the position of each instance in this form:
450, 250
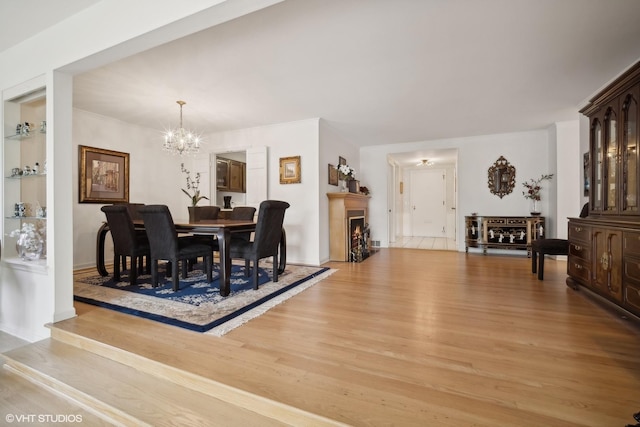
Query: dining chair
243, 213
204, 213
265, 241
134, 212
126, 241
166, 245
542, 247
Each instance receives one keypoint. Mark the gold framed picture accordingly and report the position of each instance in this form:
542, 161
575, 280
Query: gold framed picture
333, 175
103, 176
290, 170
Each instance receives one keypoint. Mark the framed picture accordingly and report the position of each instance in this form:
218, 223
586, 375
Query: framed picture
333, 175
103, 176
290, 170
341, 161
586, 163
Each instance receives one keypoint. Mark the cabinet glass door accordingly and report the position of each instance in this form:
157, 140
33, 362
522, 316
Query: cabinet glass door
611, 165
630, 145
222, 174
598, 165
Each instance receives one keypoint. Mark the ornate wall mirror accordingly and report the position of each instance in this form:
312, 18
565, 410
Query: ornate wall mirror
502, 177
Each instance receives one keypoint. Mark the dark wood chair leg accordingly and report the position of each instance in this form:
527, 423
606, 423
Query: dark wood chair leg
209, 267
534, 261
175, 273
275, 268
133, 274
255, 273
116, 268
154, 273
541, 267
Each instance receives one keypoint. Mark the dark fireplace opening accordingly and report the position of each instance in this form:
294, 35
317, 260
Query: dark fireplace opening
358, 240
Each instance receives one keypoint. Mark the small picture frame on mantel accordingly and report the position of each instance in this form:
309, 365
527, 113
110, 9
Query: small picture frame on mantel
333, 174
354, 186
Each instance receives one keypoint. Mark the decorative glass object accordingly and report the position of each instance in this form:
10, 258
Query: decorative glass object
535, 210
344, 188
29, 244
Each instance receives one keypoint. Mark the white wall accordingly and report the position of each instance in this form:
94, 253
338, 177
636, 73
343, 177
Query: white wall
332, 146
527, 151
569, 189
300, 138
155, 177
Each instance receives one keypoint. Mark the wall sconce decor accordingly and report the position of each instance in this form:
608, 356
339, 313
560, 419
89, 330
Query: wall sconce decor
502, 177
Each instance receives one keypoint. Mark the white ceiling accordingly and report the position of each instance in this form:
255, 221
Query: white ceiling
378, 71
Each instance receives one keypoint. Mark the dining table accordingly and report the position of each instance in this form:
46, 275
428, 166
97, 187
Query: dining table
223, 229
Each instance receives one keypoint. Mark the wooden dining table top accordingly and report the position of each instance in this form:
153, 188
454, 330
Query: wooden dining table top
211, 225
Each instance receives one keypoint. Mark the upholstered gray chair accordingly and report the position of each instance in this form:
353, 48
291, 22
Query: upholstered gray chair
166, 245
266, 239
126, 241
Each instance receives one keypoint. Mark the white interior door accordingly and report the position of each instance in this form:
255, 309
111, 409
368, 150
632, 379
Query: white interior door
428, 210
256, 176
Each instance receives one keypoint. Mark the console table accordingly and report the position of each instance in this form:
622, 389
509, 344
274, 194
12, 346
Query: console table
502, 232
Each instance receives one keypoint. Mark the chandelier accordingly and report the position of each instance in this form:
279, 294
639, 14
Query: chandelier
181, 141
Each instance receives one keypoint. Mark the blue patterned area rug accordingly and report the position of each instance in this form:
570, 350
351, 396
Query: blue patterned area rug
197, 305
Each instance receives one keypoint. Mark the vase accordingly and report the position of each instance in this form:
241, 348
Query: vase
29, 246
193, 214
344, 188
535, 211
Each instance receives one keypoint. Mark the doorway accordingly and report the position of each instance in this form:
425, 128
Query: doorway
422, 196
427, 203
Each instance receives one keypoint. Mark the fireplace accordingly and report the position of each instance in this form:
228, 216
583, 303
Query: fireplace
348, 227
359, 236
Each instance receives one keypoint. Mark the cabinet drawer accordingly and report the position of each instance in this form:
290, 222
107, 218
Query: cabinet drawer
516, 221
631, 269
579, 269
631, 243
632, 296
579, 232
495, 221
580, 250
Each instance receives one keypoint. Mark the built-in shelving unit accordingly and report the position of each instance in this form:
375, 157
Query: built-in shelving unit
25, 183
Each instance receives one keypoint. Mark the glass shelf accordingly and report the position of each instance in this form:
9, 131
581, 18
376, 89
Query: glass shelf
20, 136
33, 175
25, 217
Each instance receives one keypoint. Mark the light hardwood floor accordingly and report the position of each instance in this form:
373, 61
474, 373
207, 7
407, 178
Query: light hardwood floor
418, 242
414, 337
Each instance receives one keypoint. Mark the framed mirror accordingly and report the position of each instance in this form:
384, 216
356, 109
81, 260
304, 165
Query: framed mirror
502, 177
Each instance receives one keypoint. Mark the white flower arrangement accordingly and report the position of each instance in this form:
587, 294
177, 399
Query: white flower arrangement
346, 172
28, 229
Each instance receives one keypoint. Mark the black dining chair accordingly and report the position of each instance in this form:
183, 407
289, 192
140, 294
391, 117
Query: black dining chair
134, 212
126, 241
201, 213
265, 241
542, 247
166, 245
245, 213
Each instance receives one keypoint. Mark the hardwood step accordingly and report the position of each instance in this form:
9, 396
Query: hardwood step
122, 394
24, 402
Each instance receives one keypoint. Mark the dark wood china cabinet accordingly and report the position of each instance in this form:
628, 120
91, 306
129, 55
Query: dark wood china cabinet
604, 248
